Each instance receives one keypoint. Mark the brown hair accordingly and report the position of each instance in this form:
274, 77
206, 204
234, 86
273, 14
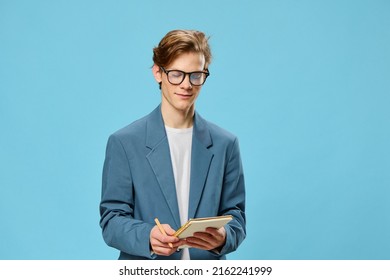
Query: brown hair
177, 42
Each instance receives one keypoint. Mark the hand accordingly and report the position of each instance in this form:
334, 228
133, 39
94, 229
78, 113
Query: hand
160, 242
211, 239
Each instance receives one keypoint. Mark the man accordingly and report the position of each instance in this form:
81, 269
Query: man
173, 165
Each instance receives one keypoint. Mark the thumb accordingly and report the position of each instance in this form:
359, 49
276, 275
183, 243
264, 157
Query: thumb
168, 229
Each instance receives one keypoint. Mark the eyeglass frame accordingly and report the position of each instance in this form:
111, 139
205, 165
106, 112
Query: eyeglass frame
207, 73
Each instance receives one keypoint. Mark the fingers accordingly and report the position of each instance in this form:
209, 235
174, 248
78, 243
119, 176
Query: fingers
210, 239
162, 249
160, 243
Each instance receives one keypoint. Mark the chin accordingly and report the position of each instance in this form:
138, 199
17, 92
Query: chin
184, 107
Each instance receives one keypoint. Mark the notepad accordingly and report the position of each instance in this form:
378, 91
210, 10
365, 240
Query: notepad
200, 224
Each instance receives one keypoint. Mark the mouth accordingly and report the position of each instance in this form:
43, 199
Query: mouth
184, 96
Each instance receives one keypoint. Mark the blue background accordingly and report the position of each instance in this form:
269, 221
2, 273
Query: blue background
304, 85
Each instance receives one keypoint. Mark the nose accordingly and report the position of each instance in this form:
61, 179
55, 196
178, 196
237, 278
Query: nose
186, 84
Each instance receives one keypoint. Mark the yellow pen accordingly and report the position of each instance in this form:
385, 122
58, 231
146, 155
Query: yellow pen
162, 230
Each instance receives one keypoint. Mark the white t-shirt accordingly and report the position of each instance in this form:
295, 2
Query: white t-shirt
180, 144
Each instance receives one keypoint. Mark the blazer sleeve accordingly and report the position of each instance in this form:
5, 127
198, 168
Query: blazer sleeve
233, 201
120, 229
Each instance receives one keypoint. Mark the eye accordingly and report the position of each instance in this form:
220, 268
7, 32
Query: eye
176, 74
196, 75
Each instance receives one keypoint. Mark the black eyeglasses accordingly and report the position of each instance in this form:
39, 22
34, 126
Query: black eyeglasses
176, 77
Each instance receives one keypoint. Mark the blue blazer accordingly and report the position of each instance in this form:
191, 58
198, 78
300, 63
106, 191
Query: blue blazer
138, 186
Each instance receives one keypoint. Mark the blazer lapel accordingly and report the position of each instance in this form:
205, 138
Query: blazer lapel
160, 160
201, 158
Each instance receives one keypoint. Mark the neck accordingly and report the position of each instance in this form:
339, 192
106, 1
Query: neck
177, 118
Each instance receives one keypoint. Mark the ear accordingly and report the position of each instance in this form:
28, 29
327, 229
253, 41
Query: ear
157, 73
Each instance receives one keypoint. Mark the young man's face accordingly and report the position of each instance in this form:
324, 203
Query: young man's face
180, 97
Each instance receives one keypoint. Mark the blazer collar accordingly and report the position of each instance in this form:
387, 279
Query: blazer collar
201, 132
155, 130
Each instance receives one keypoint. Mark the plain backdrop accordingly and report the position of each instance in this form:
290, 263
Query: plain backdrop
304, 85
